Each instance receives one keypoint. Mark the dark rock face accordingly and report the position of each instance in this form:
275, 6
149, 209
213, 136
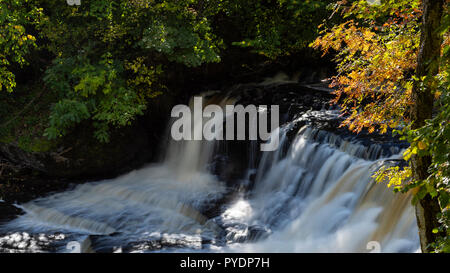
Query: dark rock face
8, 212
234, 158
79, 156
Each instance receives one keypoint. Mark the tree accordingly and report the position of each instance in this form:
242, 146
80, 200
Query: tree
110, 57
423, 92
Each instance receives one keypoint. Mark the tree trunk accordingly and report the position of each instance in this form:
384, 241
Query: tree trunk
427, 65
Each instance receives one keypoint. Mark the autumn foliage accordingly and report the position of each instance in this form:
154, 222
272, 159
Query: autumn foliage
375, 64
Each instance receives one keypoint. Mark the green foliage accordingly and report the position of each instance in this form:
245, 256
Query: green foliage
129, 36
430, 140
24, 116
188, 44
433, 140
15, 41
64, 114
103, 60
91, 91
278, 28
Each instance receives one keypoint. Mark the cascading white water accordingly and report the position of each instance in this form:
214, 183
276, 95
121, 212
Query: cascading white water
160, 201
320, 197
316, 197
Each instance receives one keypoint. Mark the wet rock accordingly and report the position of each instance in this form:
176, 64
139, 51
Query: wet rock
8, 212
22, 242
257, 233
23, 187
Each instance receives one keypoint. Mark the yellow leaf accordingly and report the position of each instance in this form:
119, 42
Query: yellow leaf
422, 145
407, 154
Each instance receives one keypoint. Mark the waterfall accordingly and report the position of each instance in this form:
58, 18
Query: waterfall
157, 201
320, 197
314, 193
